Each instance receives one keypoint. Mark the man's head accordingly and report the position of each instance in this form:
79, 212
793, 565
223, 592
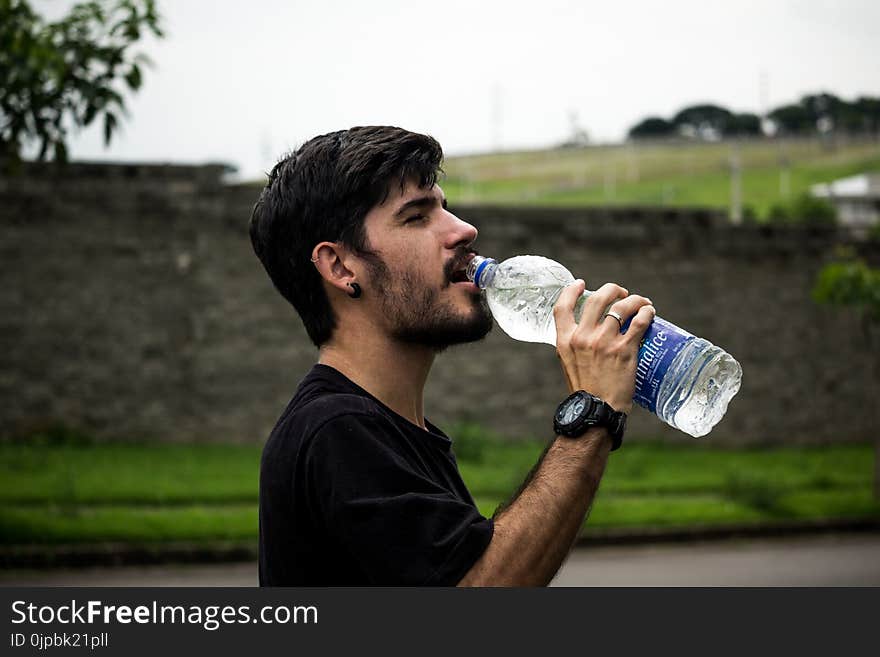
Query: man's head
330, 215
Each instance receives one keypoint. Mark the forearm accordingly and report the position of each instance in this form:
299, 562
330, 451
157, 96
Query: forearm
535, 533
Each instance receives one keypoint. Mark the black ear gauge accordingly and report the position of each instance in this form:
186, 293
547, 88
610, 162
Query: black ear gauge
355, 291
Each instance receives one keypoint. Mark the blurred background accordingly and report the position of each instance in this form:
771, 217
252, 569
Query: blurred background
725, 162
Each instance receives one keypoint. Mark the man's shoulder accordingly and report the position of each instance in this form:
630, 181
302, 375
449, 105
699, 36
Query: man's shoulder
324, 395
315, 426
312, 416
329, 406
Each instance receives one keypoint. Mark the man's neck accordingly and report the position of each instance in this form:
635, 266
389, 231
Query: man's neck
393, 373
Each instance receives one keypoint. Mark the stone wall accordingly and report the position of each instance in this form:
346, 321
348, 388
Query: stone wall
132, 307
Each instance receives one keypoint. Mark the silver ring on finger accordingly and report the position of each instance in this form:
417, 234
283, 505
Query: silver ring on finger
616, 316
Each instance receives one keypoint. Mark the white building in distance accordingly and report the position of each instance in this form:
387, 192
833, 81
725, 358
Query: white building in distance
857, 199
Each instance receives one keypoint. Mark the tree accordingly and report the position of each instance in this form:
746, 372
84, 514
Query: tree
805, 210
850, 282
826, 113
54, 76
822, 105
868, 109
745, 125
652, 127
793, 120
704, 121
831, 113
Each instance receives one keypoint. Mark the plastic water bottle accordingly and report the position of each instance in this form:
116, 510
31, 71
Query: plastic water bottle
685, 380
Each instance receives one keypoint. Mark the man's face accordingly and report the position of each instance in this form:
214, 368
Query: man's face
416, 271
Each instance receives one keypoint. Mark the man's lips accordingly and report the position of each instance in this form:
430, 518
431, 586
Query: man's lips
461, 279
469, 286
458, 273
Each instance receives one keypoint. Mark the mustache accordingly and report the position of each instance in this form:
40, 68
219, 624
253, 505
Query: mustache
457, 261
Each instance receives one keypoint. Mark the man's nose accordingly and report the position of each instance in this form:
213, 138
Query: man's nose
462, 232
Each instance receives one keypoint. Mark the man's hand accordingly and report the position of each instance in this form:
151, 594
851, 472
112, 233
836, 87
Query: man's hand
535, 532
595, 356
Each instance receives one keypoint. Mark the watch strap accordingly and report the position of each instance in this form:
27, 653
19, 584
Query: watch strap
600, 414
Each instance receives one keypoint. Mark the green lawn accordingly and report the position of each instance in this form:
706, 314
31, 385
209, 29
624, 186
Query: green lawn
129, 474
48, 524
89, 493
655, 174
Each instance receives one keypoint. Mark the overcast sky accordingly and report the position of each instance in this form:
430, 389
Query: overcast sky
241, 82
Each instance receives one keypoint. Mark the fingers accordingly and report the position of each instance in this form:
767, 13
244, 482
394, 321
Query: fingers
626, 308
563, 309
640, 323
599, 300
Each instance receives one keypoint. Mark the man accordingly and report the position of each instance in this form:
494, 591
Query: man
357, 487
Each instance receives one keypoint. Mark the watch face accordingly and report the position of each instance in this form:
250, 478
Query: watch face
572, 410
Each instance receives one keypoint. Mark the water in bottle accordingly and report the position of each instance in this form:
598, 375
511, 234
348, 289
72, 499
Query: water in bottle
685, 380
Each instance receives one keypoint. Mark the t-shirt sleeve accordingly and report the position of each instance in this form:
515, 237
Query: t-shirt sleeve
401, 527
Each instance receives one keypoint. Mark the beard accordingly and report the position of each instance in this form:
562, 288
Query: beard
417, 315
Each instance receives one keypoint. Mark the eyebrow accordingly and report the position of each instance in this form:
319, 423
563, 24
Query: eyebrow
419, 202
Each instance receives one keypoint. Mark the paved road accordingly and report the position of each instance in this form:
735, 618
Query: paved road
824, 561
847, 560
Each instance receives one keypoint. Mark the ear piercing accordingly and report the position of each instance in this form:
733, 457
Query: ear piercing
356, 290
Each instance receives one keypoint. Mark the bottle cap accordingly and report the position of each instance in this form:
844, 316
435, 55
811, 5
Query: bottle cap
479, 271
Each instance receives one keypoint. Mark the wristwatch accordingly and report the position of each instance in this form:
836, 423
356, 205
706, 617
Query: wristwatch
581, 410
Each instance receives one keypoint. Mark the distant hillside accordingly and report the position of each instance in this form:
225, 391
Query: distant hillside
658, 173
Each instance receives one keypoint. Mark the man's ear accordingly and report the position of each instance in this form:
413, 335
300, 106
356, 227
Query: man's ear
330, 259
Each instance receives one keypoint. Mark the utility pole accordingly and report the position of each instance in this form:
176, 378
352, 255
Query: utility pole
610, 186
736, 214
785, 179
877, 468
763, 93
497, 116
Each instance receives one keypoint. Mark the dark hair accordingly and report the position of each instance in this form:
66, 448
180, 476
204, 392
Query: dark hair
322, 192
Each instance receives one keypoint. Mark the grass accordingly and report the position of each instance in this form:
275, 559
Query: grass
52, 524
655, 485
656, 174
129, 474
70, 493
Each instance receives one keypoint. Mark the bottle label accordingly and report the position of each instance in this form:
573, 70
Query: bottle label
662, 343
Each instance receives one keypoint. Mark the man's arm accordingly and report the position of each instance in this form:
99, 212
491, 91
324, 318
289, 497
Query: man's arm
534, 534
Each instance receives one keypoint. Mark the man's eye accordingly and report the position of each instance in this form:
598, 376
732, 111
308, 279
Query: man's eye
415, 217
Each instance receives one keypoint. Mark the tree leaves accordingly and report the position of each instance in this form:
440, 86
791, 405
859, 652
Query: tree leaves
60, 152
63, 73
850, 283
133, 77
812, 114
109, 127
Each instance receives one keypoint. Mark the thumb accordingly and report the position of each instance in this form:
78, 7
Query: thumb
563, 309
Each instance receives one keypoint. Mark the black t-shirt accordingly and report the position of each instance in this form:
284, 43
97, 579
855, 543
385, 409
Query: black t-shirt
353, 494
